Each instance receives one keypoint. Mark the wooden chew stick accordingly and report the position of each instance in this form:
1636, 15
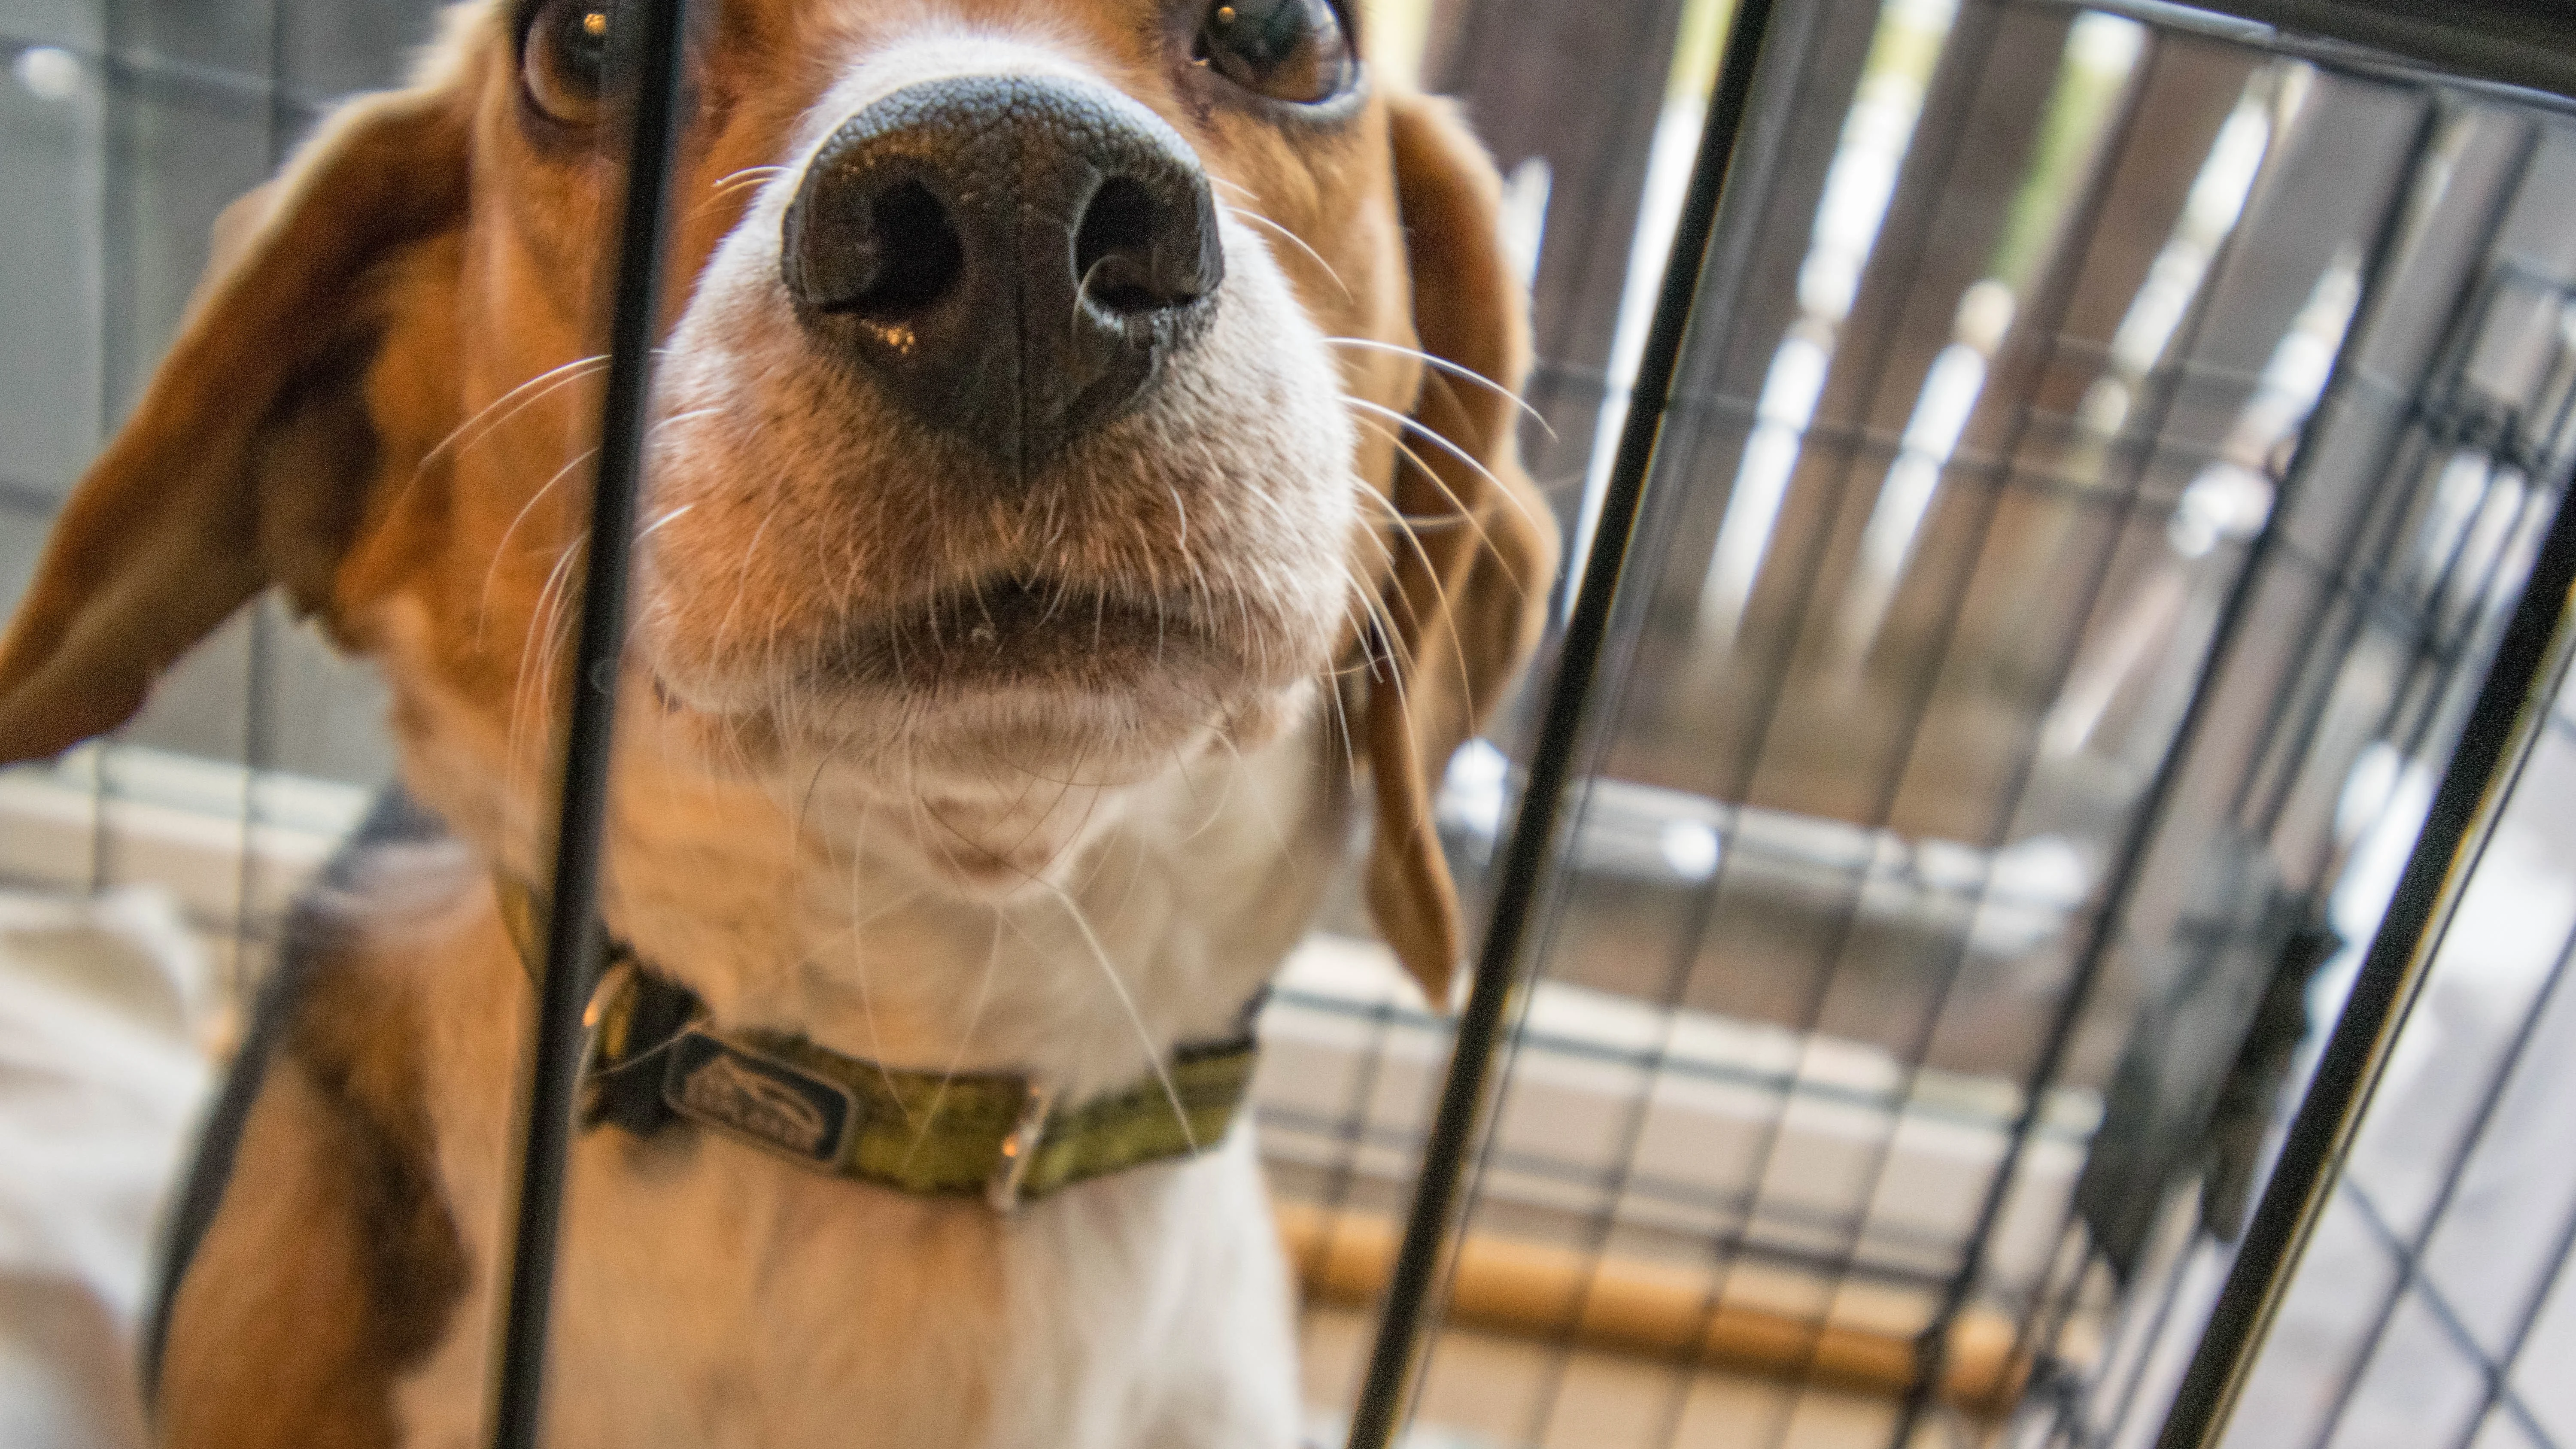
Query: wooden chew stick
1634, 1306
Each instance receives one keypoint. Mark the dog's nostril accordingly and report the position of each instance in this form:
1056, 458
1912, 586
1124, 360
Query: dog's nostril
890, 253
920, 253
1128, 258
1112, 249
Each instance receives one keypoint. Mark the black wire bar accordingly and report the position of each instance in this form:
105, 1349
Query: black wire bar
2518, 50
1380, 1411
2446, 1316
119, 278
572, 930
2162, 389
2420, 711
2379, 601
2498, 1365
1970, 43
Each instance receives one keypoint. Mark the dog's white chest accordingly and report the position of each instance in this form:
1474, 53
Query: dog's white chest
714, 1296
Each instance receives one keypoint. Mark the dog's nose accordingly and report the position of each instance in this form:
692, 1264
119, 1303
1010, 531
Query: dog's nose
1015, 258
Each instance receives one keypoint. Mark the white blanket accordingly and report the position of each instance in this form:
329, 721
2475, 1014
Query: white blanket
102, 1077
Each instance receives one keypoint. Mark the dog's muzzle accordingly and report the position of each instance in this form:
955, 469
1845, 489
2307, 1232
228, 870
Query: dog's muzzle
1012, 258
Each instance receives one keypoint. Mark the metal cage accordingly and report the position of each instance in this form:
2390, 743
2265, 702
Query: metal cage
2022, 904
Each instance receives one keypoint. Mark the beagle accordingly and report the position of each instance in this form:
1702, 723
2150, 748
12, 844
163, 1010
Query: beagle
1081, 457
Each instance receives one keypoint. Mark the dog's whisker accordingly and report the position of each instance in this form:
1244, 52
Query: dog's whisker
1417, 523
1458, 514
1397, 652
804, 803
1400, 667
742, 577
1410, 527
1433, 436
1386, 659
747, 178
1225, 797
1099, 867
681, 417
1028, 786
923, 815
965, 1040
1457, 370
530, 687
1136, 1019
545, 382
1340, 705
1082, 289
554, 630
1257, 219
501, 549
657, 525
1465, 512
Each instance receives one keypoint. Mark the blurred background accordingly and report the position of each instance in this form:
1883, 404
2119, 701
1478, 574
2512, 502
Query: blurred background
2107, 446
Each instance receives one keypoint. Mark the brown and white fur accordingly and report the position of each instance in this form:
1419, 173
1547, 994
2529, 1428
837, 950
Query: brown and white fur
1062, 860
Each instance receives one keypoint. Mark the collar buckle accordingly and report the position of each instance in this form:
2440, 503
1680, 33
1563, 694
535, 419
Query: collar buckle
1019, 1149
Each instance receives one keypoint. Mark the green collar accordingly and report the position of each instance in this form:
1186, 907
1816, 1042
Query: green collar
656, 1058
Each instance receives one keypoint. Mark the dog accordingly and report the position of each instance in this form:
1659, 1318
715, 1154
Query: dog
1081, 468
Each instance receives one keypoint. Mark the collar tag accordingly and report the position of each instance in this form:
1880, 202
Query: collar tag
770, 1103
1011, 1170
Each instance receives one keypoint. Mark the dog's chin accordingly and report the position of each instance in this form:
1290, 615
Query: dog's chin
1010, 677
1001, 726
1011, 639
994, 784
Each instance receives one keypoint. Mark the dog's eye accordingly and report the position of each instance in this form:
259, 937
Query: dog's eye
1288, 50
565, 59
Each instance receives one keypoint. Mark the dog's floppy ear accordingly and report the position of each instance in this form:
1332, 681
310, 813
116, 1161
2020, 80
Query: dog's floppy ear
246, 461
1467, 595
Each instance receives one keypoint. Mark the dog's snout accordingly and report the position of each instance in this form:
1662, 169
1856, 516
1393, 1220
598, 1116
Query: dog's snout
1014, 258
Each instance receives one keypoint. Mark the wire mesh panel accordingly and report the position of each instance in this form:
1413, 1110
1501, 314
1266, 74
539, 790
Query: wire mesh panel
2427, 1310
2431, 1307
2105, 451
2489, 422
125, 130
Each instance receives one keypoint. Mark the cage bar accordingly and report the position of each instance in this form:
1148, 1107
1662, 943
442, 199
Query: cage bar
572, 929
